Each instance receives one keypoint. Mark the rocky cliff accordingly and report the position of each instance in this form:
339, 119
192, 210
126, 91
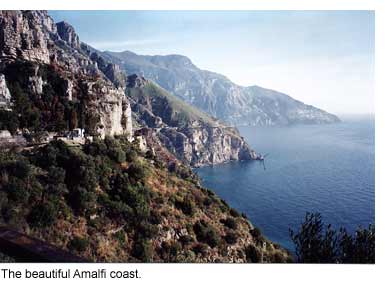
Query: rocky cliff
193, 136
44, 65
59, 83
5, 95
217, 95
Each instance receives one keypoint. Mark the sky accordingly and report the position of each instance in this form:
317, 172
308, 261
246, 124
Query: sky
323, 58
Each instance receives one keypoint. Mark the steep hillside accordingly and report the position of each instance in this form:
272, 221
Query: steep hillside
217, 95
52, 84
193, 136
109, 202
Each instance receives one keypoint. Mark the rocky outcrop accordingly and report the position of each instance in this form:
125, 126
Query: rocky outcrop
110, 70
68, 34
26, 35
5, 95
47, 61
204, 145
54, 64
192, 136
112, 108
217, 95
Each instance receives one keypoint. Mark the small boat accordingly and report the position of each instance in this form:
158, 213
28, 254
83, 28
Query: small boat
261, 157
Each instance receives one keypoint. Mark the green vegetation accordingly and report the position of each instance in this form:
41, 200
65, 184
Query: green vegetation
78, 244
187, 205
173, 110
256, 234
49, 111
108, 201
231, 237
206, 233
315, 243
53, 181
230, 222
253, 254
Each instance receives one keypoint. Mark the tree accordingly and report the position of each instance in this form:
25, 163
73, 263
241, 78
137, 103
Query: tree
42, 215
73, 122
315, 243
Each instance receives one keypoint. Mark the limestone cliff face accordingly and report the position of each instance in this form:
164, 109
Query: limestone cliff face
204, 145
191, 135
26, 35
112, 107
32, 39
5, 95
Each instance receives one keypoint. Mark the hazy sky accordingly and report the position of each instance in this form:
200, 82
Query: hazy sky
323, 58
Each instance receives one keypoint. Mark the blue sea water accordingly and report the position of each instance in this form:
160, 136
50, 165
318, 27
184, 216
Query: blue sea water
316, 168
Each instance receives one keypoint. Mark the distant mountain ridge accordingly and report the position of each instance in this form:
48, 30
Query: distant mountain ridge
217, 95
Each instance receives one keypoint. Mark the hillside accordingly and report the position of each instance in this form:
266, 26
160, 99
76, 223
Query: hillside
110, 202
50, 84
191, 135
217, 95
77, 175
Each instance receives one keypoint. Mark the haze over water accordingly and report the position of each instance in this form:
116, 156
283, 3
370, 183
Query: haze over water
317, 168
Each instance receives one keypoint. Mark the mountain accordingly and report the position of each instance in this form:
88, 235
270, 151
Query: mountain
191, 135
49, 84
50, 81
124, 194
217, 95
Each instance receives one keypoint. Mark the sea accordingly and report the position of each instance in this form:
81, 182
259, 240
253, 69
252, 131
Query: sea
328, 169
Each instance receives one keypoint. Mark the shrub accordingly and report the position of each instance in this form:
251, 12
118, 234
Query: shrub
200, 248
146, 230
82, 200
206, 233
19, 169
155, 217
234, 213
136, 171
9, 121
3, 199
230, 222
56, 175
253, 255
95, 148
117, 155
186, 240
142, 250
116, 209
131, 155
175, 248
78, 244
187, 205
231, 237
207, 201
42, 215
256, 234
120, 236
16, 190
278, 258
170, 250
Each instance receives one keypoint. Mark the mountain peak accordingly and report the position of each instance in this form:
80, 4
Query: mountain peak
173, 60
68, 34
